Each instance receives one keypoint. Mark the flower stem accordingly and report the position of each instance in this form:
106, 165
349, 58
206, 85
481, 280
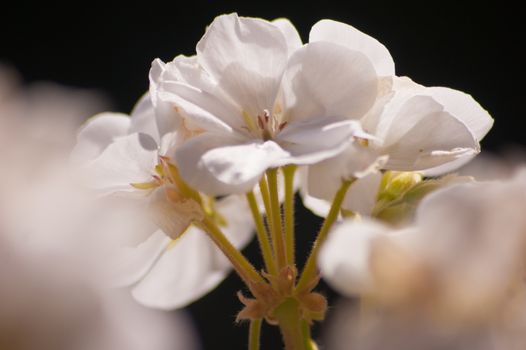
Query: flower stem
278, 239
309, 343
243, 267
254, 334
263, 239
290, 324
309, 271
263, 187
288, 175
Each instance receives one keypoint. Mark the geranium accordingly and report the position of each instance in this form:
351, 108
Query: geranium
260, 100
120, 158
414, 128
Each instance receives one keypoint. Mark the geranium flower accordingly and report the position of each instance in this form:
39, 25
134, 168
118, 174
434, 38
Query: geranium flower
129, 159
260, 100
414, 128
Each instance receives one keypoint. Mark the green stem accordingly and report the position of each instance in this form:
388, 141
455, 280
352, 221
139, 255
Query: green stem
262, 235
278, 239
307, 340
243, 267
309, 271
263, 187
290, 324
254, 334
288, 175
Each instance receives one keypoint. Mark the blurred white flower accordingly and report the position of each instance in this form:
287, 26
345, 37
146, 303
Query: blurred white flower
128, 161
462, 261
496, 165
38, 123
352, 328
258, 99
48, 303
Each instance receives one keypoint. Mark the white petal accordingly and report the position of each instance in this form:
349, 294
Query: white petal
220, 165
203, 109
131, 263
344, 34
167, 118
422, 136
184, 273
464, 108
143, 118
156, 72
355, 161
361, 196
98, 132
291, 34
246, 57
320, 207
323, 182
327, 80
315, 140
344, 258
129, 159
449, 166
185, 79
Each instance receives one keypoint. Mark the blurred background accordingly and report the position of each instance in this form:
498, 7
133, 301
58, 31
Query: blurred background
108, 49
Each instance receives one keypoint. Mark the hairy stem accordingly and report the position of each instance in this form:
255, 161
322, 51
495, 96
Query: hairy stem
254, 334
278, 239
288, 175
243, 267
290, 325
262, 235
309, 271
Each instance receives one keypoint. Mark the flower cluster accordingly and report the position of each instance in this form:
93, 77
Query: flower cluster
204, 150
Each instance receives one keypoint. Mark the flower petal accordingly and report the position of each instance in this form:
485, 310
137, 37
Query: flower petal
361, 197
327, 80
99, 132
348, 36
314, 140
422, 136
143, 118
321, 184
219, 165
344, 258
464, 108
246, 57
184, 273
202, 109
129, 159
130, 264
290, 33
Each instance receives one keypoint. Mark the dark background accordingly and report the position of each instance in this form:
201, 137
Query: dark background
471, 47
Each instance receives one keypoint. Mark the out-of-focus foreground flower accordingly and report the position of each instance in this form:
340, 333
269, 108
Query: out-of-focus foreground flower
51, 295
459, 268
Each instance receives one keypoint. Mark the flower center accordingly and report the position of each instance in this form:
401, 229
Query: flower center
267, 125
164, 173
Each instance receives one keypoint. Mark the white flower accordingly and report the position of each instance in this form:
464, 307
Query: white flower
49, 301
261, 100
414, 128
462, 259
128, 159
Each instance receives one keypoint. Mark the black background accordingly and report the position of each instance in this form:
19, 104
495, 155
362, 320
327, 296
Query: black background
472, 47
